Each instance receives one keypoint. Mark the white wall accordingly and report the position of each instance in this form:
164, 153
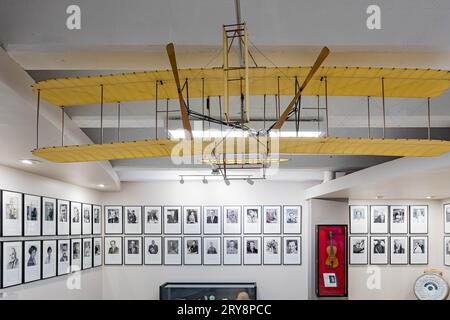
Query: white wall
274, 282
55, 288
397, 281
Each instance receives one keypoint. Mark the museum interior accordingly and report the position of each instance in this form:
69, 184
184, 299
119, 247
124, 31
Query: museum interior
238, 149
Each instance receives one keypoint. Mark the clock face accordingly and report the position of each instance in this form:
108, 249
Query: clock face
431, 286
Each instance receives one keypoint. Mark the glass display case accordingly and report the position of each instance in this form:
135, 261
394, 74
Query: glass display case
208, 291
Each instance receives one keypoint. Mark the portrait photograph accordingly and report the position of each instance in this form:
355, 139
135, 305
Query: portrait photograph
96, 220
252, 220
379, 219
133, 219
12, 214
49, 263
212, 220
153, 220
153, 250
418, 250
379, 250
292, 250
418, 217
172, 250
133, 250
232, 251
447, 218
32, 215
86, 226
63, 226
192, 250
172, 220
49, 217
113, 250
212, 251
87, 253
359, 252
11, 263
447, 251
292, 219
113, 220
232, 220
272, 250
399, 250
97, 252
192, 220
359, 219
398, 219
272, 219
63, 256
75, 255
75, 218
252, 250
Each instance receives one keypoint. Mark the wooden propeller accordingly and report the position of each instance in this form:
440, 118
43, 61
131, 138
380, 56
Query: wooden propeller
322, 56
183, 108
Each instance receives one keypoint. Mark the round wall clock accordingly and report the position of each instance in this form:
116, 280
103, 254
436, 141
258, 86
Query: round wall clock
431, 286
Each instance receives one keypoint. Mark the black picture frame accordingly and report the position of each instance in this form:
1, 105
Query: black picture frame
199, 220
71, 223
244, 219
368, 219
284, 231
180, 220
411, 250
280, 219
125, 251
99, 219
407, 249
224, 241
300, 249
387, 220
58, 231
105, 220
444, 211
24, 265
280, 250
160, 250
42, 258
19, 214
391, 223
100, 239
205, 227
55, 216
446, 262
350, 248
83, 259
2, 263
387, 249
125, 220
69, 258
105, 250
83, 231
24, 233
72, 241
199, 250
204, 250
244, 250
161, 220
224, 218
410, 219
180, 248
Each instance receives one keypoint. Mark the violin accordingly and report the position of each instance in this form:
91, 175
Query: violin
331, 261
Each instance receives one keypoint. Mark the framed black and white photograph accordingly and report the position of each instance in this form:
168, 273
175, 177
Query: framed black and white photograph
32, 261
75, 218
232, 250
112, 249
292, 250
292, 219
447, 251
379, 219
152, 220
49, 258
192, 220
252, 250
133, 250
212, 220
418, 250
87, 253
96, 220
398, 217
113, 220
75, 255
98, 252
133, 219
86, 227
359, 219
379, 250
63, 256
172, 220
192, 250
272, 250
272, 219
447, 218
153, 250
212, 251
399, 250
12, 214
32, 215
418, 219
252, 220
63, 224
232, 221
172, 250
359, 251
49, 217
11, 263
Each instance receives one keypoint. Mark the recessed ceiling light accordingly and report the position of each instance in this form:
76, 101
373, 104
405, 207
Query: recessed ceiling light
30, 161
101, 185
430, 197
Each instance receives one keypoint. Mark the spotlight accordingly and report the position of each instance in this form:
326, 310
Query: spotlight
181, 180
250, 181
30, 161
204, 180
227, 182
101, 185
